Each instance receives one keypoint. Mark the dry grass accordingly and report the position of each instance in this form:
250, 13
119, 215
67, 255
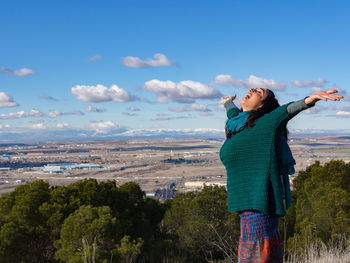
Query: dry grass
335, 252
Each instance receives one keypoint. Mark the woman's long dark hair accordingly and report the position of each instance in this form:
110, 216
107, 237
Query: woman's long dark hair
268, 104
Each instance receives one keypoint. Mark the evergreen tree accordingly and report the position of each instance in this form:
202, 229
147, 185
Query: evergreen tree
322, 206
202, 226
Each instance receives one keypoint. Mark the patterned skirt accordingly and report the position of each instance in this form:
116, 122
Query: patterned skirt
259, 241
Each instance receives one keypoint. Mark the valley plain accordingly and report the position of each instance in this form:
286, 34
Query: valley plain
153, 163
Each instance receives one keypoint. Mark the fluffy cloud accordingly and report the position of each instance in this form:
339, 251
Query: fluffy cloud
309, 83
93, 58
62, 125
252, 82
94, 109
18, 73
37, 114
6, 100
316, 89
184, 92
22, 114
101, 93
39, 126
102, 127
159, 60
5, 126
192, 107
343, 114
54, 114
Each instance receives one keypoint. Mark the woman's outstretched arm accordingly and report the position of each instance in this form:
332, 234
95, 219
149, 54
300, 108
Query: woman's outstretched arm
231, 108
295, 107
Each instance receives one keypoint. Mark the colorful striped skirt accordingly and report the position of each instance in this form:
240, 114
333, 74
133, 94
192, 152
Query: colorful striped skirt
260, 241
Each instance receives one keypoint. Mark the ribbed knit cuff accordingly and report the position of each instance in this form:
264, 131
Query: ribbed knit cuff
229, 105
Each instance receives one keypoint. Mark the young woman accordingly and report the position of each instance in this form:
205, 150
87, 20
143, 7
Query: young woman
258, 161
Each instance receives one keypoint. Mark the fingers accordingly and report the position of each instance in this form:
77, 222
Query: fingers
331, 91
334, 97
227, 98
327, 96
224, 99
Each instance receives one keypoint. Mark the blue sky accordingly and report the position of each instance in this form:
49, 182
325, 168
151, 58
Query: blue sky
90, 68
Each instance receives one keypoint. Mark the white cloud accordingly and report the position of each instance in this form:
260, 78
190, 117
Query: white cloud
5, 126
93, 58
184, 92
54, 114
316, 89
37, 114
208, 132
252, 82
309, 83
343, 114
62, 125
6, 100
102, 127
22, 114
94, 109
39, 126
191, 107
101, 93
159, 60
18, 73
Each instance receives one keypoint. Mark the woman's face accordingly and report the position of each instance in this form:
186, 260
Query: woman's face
254, 99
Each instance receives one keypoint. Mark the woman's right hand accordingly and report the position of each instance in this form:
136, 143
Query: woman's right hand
323, 95
225, 99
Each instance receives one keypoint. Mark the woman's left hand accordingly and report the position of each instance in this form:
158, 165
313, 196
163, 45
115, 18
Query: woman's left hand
225, 99
323, 95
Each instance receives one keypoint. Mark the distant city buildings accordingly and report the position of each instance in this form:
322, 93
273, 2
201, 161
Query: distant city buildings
59, 168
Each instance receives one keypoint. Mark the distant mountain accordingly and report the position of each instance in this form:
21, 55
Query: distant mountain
116, 134
71, 134
319, 131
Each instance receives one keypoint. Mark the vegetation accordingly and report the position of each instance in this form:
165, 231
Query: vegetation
321, 208
100, 222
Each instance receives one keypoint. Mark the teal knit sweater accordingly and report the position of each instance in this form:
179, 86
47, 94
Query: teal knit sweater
253, 180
